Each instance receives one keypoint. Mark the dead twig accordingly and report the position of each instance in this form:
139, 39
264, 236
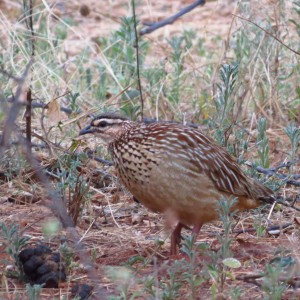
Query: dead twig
29, 24
270, 228
288, 178
138, 60
172, 19
293, 282
9, 125
268, 33
248, 230
9, 75
91, 155
64, 109
28, 115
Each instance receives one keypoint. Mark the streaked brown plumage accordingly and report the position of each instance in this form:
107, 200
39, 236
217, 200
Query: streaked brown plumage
176, 169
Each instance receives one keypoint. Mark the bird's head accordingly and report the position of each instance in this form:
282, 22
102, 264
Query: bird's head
108, 127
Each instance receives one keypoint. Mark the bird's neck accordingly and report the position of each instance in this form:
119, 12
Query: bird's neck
127, 126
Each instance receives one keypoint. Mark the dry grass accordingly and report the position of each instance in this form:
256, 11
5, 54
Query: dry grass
112, 227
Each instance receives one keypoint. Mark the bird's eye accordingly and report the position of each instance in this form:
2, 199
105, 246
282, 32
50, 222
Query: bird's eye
102, 124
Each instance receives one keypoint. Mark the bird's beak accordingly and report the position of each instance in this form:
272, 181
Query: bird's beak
86, 130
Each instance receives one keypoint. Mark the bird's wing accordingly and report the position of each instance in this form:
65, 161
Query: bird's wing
221, 168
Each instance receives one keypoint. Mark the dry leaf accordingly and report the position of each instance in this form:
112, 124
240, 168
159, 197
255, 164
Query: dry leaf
54, 114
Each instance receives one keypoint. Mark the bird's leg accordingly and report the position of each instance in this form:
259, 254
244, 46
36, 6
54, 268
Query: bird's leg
176, 238
195, 231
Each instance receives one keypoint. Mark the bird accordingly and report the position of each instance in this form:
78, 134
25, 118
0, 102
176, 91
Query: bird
176, 170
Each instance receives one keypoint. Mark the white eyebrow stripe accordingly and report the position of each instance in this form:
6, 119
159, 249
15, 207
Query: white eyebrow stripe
108, 121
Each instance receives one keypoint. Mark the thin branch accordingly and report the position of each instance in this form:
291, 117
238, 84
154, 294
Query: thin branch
288, 178
138, 60
13, 113
9, 75
171, 19
252, 278
45, 105
99, 159
28, 115
282, 201
267, 32
29, 25
270, 228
